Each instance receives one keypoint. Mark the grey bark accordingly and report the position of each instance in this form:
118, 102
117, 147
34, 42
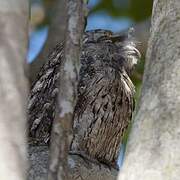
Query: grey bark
38, 160
153, 147
79, 168
55, 35
61, 132
13, 88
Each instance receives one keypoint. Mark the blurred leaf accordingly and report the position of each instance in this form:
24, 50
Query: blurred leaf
140, 9
137, 10
137, 77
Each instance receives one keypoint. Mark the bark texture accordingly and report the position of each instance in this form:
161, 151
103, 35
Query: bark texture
61, 132
55, 35
13, 88
153, 147
78, 167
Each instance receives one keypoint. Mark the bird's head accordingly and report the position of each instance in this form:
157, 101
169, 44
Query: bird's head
125, 43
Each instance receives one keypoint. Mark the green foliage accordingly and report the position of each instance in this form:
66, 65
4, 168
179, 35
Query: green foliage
137, 77
137, 10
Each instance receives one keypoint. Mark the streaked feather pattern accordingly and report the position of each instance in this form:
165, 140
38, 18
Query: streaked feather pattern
105, 96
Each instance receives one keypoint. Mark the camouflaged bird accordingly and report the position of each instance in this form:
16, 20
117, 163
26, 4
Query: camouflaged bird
105, 96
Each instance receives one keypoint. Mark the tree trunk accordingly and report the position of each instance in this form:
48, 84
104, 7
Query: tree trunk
153, 147
69, 71
13, 88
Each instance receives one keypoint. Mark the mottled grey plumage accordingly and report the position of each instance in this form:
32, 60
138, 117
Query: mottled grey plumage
105, 96
42, 99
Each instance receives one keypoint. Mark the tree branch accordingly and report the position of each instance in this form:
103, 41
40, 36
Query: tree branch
13, 89
67, 93
153, 147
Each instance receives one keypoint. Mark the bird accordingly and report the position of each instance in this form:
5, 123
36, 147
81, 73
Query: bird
105, 95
